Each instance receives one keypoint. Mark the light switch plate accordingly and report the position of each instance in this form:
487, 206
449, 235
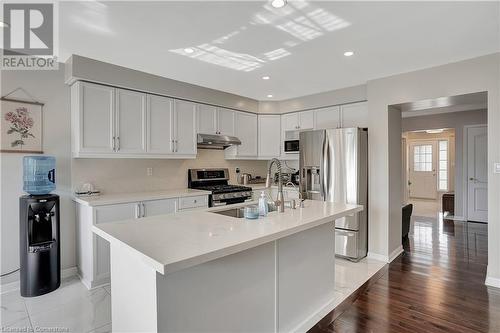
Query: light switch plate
496, 169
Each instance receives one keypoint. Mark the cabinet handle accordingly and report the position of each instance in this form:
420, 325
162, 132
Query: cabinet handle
176, 146
114, 143
173, 148
143, 209
137, 211
117, 143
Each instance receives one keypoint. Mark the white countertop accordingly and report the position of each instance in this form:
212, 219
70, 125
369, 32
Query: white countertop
176, 241
110, 199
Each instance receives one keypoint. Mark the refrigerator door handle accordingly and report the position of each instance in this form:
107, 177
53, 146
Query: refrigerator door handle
325, 159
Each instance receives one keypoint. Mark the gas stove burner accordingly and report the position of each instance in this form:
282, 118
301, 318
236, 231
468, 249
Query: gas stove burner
216, 181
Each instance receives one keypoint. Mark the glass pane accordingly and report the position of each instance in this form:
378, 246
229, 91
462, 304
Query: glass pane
443, 145
443, 175
416, 150
443, 155
416, 158
443, 165
428, 149
443, 185
428, 158
416, 167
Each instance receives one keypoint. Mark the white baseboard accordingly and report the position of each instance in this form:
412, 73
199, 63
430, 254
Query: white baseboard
388, 259
394, 254
492, 282
16, 285
379, 257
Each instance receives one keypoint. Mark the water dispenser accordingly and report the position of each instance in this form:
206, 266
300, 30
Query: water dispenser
40, 254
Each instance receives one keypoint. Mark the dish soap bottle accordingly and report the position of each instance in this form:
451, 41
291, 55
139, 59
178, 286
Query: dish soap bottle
262, 204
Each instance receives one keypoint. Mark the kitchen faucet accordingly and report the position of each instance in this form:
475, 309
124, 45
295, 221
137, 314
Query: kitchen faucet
301, 200
280, 202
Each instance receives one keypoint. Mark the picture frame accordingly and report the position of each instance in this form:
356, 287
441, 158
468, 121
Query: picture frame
21, 126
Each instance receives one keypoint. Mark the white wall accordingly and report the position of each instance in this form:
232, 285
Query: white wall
474, 75
457, 121
47, 87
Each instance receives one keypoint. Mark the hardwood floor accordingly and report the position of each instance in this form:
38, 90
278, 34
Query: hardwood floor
436, 285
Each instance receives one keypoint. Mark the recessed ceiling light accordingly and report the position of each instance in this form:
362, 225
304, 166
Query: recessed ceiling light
266, 77
3, 25
188, 50
278, 3
349, 53
269, 96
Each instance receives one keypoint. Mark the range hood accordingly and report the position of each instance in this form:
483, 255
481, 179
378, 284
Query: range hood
214, 141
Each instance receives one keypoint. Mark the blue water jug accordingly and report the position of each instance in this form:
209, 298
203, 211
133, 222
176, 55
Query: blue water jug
39, 174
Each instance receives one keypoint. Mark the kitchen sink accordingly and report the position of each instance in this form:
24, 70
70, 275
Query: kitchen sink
233, 212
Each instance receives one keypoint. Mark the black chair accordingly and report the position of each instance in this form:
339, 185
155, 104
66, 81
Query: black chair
406, 217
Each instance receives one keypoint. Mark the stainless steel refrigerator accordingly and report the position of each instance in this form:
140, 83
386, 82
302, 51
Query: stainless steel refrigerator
334, 167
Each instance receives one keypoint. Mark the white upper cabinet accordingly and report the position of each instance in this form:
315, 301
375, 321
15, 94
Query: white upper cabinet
306, 120
328, 117
245, 128
225, 121
298, 121
130, 133
160, 125
290, 121
214, 120
207, 119
93, 118
185, 128
269, 136
354, 115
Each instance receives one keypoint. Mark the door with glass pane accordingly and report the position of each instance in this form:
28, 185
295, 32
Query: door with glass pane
422, 170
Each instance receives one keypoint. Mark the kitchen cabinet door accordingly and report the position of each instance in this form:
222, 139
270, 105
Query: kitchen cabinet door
159, 125
290, 121
158, 207
207, 119
354, 115
269, 135
328, 117
306, 120
225, 121
185, 128
130, 122
106, 214
94, 112
246, 131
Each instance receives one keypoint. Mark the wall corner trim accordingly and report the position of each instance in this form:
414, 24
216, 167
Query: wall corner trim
379, 257
492, 281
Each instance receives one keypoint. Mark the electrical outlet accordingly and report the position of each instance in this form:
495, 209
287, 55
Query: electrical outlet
496, 169
149, 171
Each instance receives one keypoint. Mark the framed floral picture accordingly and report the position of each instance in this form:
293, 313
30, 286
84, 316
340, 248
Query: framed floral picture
21, 127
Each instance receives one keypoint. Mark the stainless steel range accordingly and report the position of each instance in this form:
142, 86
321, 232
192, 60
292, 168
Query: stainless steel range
217, 182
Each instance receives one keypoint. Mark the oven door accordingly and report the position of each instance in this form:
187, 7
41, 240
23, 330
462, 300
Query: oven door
291, 146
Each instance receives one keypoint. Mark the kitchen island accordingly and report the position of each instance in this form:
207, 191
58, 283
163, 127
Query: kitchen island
200, 271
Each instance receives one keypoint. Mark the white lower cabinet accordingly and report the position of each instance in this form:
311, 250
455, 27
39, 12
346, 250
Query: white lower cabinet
93, 251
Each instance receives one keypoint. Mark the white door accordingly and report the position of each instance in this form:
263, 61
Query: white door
327, 118
97, 108
246, 131
477, 174
130, 121
354, 115
290, 121
306, 120
207, 119
269, 136
185, 128
158, 207
423, 176
105, 214
159, 125
225, 122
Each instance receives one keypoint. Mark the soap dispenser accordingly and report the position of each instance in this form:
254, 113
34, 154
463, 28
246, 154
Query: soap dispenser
262, 204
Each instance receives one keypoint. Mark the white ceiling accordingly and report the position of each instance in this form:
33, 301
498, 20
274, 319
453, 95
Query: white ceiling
300, 47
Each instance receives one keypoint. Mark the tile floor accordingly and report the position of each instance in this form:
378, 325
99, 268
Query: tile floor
73, 308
